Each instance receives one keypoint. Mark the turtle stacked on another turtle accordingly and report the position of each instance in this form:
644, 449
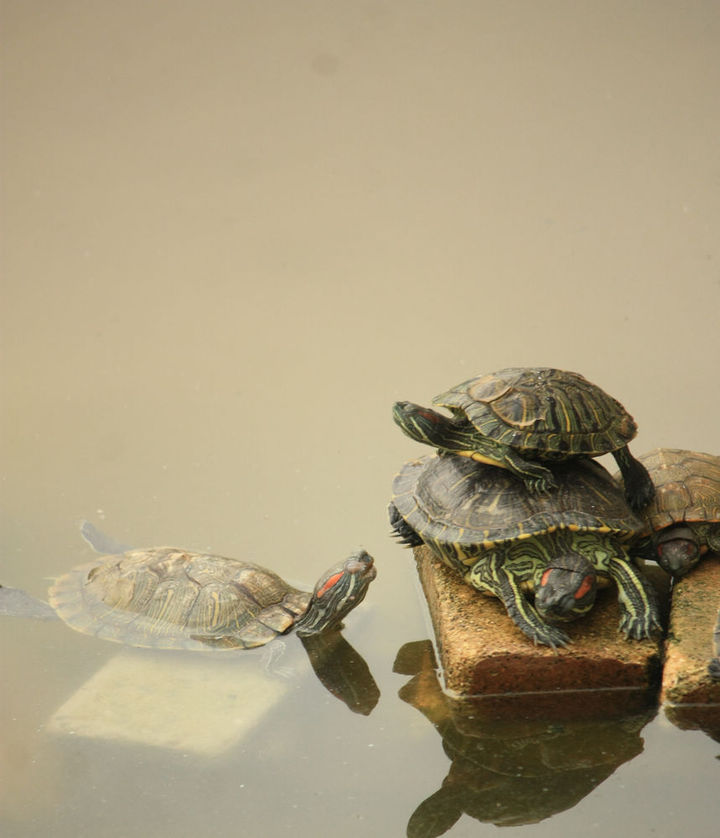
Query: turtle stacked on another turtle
515, 504
520, 419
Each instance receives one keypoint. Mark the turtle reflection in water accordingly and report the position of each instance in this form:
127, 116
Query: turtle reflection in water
514, 771
165, 598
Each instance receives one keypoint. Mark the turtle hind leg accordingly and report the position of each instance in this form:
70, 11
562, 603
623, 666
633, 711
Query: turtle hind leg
537, 478
404, 533
639, 488
489, 575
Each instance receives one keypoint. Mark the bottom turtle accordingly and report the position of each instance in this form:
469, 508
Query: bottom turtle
508, 542
166, 598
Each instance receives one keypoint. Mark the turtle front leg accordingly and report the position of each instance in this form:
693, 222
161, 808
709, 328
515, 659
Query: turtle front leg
489, 575
639, 610
639, 488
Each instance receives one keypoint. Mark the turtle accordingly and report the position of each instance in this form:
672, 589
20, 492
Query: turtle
682, 522
168, 598
518, 416
482, 522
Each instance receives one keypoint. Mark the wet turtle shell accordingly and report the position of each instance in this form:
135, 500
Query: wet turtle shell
542, 411
168, 598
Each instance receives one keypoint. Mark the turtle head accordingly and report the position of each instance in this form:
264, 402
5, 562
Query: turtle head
337, 592
421, 423
566, 588
678, 550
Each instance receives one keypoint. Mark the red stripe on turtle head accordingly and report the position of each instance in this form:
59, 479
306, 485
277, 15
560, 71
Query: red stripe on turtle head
585, 587
329, 583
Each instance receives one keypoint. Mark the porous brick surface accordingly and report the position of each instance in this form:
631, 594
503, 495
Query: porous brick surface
483, 654
689, 645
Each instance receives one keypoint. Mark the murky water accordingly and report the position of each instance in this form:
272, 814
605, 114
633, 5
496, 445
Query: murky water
234, 234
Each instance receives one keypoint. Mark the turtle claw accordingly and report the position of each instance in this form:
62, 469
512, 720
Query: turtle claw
549, 636
638, 628
540, 485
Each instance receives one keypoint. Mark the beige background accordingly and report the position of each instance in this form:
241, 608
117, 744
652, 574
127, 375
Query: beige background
233, 234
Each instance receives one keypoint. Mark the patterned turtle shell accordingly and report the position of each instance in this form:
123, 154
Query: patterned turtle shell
167, 598
542, 410
458, 502
687, 488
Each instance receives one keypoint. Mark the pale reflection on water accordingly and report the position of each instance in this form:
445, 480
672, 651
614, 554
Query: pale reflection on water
234, 234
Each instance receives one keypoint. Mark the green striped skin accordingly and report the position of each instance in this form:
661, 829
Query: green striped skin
682, 522
337, 592
166, 598
513, 417
482, 522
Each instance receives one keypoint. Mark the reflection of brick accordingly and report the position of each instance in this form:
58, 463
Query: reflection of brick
689, 647
482, 653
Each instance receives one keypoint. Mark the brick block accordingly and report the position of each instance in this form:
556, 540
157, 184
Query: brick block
690, 697
483, 655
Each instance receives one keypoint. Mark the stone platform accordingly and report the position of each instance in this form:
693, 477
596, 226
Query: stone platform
486, 660
691, 698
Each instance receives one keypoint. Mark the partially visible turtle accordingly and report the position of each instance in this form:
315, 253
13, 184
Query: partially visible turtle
515, 417
682, 522
482, 521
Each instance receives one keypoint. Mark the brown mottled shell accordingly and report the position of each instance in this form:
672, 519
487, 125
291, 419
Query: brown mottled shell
166, 598
544, 410
687, 487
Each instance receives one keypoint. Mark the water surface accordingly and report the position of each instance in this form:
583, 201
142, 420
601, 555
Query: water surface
234, 233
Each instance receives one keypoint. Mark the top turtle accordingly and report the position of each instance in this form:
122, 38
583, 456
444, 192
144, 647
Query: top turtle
516, 416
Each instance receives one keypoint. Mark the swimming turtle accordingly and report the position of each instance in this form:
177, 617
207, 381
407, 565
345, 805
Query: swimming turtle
482, 521
682, 522
167, 598
517, 416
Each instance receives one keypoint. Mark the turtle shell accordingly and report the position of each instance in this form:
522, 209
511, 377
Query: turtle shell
167, 598
543, 410
453, 500
687, 488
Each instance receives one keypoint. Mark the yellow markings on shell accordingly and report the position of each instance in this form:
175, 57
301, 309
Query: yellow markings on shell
568, 423
215, 616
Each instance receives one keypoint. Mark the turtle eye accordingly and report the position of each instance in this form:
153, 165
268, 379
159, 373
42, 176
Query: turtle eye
329, 583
